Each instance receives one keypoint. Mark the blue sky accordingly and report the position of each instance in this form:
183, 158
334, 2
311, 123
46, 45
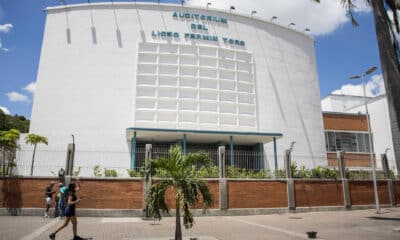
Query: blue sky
340, 53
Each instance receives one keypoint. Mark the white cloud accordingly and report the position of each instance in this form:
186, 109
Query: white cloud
5, 110
2, 49
4, 28
374, 87
17, 97
31, 87
322, 18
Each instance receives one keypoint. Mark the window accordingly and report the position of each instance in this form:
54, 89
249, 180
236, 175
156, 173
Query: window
347, 141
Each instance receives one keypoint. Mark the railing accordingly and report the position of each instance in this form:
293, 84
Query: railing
244, 164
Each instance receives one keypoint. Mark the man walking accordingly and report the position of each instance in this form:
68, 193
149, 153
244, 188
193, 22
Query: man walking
48, 197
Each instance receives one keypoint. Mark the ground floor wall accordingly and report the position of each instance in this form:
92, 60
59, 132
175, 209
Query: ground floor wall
109, 193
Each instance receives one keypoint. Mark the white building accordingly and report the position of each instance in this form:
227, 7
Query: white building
116, 75
379, 117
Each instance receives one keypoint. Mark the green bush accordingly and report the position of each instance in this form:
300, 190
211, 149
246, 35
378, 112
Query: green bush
280, 173
206, 172
317, 172
233, 172
366, 175
135, 173
110, 173
77, 172
97, 171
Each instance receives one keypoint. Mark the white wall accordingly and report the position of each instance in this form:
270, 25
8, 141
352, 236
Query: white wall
88, 89
380, 128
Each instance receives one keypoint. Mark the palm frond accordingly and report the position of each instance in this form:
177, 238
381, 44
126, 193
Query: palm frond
188, 220
156, 198
349, 6
205, 193
198, 159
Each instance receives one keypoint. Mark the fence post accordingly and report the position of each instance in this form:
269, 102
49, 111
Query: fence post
147, 181
69, 163
223, 193
289, 181
385, 168
345, 181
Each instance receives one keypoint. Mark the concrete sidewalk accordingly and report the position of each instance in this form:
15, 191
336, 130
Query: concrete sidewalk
360, 224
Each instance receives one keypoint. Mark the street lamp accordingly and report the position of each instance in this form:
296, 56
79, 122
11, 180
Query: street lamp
369, 71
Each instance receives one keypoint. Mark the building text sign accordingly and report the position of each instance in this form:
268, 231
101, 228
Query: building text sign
197, 27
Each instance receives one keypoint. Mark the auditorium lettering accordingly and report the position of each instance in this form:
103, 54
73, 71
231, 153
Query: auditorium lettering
199, 29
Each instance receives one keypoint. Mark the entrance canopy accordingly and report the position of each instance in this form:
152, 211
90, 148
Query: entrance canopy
150, 135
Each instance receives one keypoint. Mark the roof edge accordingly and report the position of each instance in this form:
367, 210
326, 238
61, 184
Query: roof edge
71, 6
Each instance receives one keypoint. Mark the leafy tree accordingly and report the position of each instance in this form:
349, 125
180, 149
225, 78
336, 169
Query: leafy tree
18, 122
187, 187
34, 140
389, 53
8, 145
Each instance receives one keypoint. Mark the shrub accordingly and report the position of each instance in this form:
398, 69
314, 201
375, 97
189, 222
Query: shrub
77, 172
233, 172
135, 173
206, 172
97, 171
110, 173
280, 173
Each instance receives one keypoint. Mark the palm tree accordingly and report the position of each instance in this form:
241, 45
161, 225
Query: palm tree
34, 140
8, 145
389, 53
188, 189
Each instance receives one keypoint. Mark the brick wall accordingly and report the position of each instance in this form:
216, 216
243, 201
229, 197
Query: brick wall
362, 192
110, 193
256, 194
127, 193
318, 193
396, 185
23, 193
351, 159
345, 122
107, 193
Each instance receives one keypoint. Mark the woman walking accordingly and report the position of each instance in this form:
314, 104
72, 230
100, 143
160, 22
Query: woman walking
72, 200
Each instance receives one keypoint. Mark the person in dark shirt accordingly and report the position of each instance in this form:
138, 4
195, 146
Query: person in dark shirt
48, 197
70, 215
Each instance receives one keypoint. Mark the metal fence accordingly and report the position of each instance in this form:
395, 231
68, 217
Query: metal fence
243, 164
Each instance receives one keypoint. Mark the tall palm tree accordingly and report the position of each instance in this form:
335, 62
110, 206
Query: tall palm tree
181, 178
34, 140
389, 53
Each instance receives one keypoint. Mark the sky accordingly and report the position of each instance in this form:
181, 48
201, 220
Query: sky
341, 50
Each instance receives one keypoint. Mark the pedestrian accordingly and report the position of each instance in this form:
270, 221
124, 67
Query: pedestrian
72, 200
62, 200
48, 197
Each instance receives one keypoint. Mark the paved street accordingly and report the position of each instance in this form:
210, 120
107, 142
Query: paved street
361, 224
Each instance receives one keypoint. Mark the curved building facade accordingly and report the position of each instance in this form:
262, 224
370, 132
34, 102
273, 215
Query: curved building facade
117, 75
